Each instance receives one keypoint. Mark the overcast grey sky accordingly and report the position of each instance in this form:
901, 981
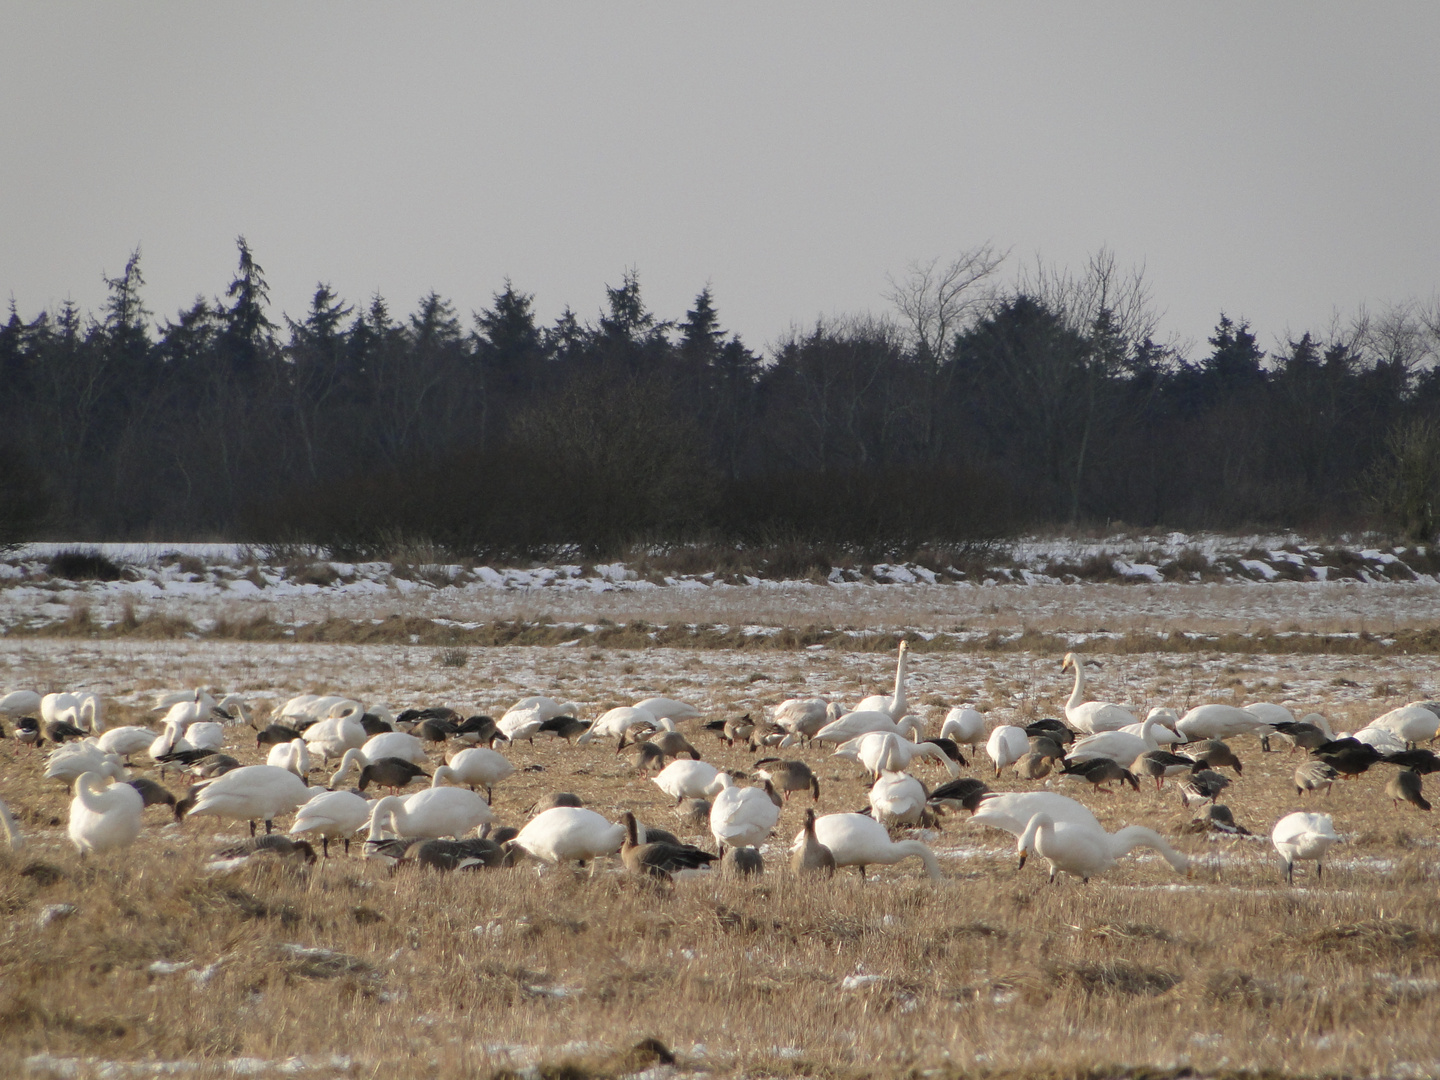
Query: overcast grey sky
1278, 161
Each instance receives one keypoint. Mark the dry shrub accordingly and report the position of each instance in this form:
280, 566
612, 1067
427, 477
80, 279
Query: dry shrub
74, 564
1112, 977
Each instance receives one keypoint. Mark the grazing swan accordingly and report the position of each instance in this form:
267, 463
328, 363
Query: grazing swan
858, 840
1122, 747
67, 763
1012, 812
432, 813
523, 719
861, 722
664, 708
742, 817
618, 721
1411, 723
569, 834
898, 799
801, 718
335, 814
683, 780
334, 735
477, 767
885, 751
1007, 744
894, 705
126, 741
12, 830
20, 703
59, 706
395, 744
253, 793
1303, 836
1382, 739
293, 756
1221, 721
104, 818
1085, 851
1091, 717
965, 725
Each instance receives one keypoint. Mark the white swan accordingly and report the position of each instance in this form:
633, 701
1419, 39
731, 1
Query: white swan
664, 708
1007, 744
1303, 836
1090, 717
1382, 739
205, 735
253, 793
333, 815
1013, 811
741, 816
1164, 732
617, 722
897, 799
396, 744
684, 779
477, 767
862, 721
293, 756
1122, 747
965, 726
801, 718
1084, 851
894, 705
1216, 721
189, 711
66, 763
59, 706
569, 834
126, 740
432, 813
1413, 723
20, 703
523, 719
331, 737
166, 698
168, 741
104, 818
89, 712
884, 751
857, 840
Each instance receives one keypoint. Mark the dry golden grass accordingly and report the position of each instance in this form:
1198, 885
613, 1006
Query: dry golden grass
990, 971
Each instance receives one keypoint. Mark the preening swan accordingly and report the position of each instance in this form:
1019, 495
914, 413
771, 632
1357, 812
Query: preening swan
335, 814
894, 705
1303, 836
742, 817
104, 818
858, 840
331, 737
1085, 851
898, 799
1091, 717
569, 834
293, 756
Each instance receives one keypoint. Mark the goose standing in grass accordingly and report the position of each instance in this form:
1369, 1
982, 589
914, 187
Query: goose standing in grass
898, 799
1007, 744
1084, 851
1303, 836
683, 780
478, 767
27, 732
253, 793
1217, 755
658, 858
561, 727
807, 854
1272, 714
1307, 733
743, 816
1091, 717
861, 841
564, 834
271, 847
1100, 771
742, 862
104, 818
432, 813
1405, 786
333, 815
789, 776
391, 772
1202, 785
153, 794
1162, 763
894, 705
965, 726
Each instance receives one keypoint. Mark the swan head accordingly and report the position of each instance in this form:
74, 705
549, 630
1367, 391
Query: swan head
1068, 662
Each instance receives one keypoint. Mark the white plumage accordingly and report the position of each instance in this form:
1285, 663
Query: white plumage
1090, 717
1084, 850
569, 834
857, 840
104, 818
1007, 744
741, 816
1303, 836
432, 813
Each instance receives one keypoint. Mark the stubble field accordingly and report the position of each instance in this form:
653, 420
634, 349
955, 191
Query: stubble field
164, 969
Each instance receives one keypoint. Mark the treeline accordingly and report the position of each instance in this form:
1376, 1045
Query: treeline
976, 408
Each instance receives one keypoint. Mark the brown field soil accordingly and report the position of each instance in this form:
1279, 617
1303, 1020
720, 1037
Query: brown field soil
988, 972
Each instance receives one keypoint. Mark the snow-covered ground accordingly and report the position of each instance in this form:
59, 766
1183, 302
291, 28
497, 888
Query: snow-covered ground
1204, 583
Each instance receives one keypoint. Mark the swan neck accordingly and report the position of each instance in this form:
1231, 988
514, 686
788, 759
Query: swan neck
915, 847
444, 772
1077, 696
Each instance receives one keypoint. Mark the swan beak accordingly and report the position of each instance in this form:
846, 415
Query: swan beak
1023, 854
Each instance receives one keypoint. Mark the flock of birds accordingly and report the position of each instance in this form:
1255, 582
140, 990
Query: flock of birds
450, 825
